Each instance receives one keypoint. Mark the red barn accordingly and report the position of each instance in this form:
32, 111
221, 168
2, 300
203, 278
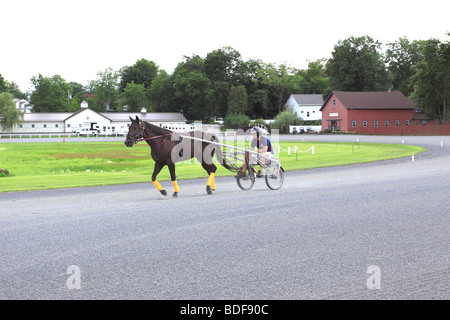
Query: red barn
366, 112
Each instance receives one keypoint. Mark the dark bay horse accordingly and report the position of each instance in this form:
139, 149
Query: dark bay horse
168, 147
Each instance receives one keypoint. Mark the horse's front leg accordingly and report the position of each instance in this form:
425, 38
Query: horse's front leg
156, 170
176, 189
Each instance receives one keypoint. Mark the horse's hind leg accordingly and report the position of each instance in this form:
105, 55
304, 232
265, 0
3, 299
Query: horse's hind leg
156, 170
211, 183
176, 189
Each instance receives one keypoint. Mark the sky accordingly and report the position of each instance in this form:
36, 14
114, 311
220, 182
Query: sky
79, 39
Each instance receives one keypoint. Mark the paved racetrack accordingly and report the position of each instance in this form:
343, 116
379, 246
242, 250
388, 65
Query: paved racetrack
320, 237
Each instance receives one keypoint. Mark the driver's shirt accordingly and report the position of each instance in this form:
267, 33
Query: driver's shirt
263, 141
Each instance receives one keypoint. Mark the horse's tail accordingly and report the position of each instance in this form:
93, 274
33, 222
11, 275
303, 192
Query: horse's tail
222, 160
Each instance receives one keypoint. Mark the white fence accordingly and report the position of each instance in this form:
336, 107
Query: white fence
55, 135
296, 150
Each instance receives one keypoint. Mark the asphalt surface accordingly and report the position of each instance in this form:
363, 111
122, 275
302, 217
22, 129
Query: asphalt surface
321, 236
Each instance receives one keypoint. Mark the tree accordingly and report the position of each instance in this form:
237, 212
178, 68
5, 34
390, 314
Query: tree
9, 115
50, 94
279, 80
401, 56
3, 87
223, 65
313, 79
135, 97
237, 100
142, 72
432, 80
258, 103
6, 86
357, 65
193, 90
162, 92
223, 69
106, 89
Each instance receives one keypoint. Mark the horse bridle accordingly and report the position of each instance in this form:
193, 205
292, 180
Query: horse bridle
141, 126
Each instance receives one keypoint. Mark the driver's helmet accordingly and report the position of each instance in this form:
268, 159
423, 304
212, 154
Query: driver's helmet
255, 130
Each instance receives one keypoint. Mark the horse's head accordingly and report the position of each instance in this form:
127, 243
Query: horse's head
135, 132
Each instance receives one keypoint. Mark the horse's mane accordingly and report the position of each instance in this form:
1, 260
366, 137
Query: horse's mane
156, 129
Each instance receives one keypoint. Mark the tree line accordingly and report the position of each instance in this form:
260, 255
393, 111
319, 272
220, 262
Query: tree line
223, 85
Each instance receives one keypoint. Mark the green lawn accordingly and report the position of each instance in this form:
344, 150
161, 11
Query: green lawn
75, 164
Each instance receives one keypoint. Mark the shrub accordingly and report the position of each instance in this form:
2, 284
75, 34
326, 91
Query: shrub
236, 120
284, 119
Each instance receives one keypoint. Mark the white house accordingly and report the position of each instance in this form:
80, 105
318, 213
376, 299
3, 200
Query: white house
22, 105
306, 106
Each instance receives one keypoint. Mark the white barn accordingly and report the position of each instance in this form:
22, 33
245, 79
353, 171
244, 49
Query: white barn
306, 106
101, 122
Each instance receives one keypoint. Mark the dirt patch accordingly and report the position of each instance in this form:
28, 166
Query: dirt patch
102, 155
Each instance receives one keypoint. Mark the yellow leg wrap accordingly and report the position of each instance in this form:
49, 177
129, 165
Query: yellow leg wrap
213, 183
157, 185
210, 179
175, 186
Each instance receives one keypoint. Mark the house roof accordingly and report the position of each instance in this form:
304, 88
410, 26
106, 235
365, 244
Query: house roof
148, 116
371, 100
46, 116
113, 116
82, 110
308, 99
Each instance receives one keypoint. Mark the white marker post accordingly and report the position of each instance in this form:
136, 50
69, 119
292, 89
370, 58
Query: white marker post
412, 157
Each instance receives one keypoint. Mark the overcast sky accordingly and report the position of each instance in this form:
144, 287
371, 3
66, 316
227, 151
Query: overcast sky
77, 39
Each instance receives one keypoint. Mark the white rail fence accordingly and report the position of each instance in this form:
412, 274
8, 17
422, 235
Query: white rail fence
56, 135
296, 151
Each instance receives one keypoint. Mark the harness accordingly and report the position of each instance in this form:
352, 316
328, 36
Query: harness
141, 133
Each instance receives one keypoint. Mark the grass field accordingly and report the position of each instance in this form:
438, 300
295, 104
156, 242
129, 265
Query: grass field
35, 166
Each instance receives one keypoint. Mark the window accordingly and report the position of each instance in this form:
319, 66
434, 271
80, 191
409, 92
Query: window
68, 125
20, 125
424, 122
353, 123
56, 125
397, 123
407, 122
375, 123
44, 125
307, 114
79, 125
33, 125
386, 123
365, 123
334, 102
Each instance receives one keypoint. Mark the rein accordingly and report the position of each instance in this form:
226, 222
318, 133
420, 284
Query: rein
151, 138
142, 127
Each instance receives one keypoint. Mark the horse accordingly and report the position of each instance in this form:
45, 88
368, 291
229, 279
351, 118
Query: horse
168, 147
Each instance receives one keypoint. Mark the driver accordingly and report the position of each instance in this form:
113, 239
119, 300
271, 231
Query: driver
264, 148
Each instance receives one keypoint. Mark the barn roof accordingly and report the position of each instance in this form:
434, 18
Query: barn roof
371, 100
148, 116
113, 116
